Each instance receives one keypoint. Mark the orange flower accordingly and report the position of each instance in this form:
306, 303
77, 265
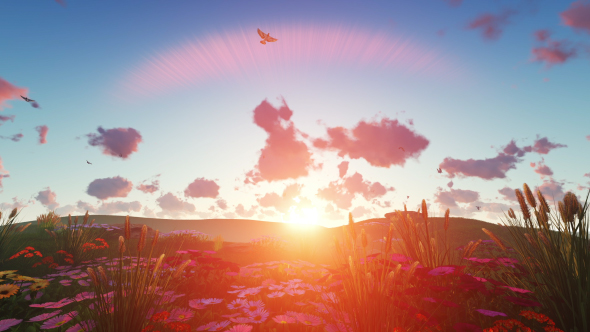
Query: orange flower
38, 254
29, 255
29, 248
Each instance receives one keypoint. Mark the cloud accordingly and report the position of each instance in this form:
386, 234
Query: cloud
498, 166
359, 212
557, 52
283, 157
202, 188
542, 35
343, 168
172, 205
116, 141
450, 184
242, 212
376, 142
222, 204
151, 188
577, 16
6, 208
109, 187
47, 198
491, 25
354, 184
42, 133
281, 203
3, 174
542, 169
15, 137
4, 118
454, 3
110, 208
331, 213
8, 92
61, 2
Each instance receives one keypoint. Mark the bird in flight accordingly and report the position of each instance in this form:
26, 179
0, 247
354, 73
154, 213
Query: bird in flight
439, 170
88, 162
478, 207
402, 149
266, 37
27, 99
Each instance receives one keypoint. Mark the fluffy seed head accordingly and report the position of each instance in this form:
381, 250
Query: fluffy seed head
142, 236
562, 212
411, 270
121, 244
351, 225
158, 264
12, 214
529, 196
542, 200
495, 238
472, 249
544, 238
102, 273
531, 241
127, 228
86, 216
523, 207
424, 211
447, 219
155, 240
178, 272
93, 276
466, 248
511, 213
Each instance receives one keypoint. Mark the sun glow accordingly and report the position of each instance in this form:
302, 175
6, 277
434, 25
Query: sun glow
301, 216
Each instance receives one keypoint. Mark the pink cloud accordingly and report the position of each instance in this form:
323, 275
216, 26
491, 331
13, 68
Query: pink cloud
491, 25
15, 137
343, 168
9, 91
16, 203
110, 208
47, 198
542, 35
377, 142
360, 211
3, 174
577, 16
61, 2
42, 133
283, 157
546, 79
172, 205
150, 188
117, 141
238, 55
354, 184
543, 146
202, 188
242, 212
557, 52
109, 187
441, 32
450, 184
281, 203
336, 194
542, 169
222, 204
6, 118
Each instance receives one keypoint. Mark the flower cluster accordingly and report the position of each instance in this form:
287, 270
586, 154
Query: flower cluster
47, 261
507, 324
91, 246
163, 316
28, 252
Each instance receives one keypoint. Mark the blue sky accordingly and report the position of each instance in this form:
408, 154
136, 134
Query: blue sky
184, 114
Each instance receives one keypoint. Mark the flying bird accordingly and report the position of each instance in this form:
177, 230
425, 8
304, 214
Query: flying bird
88, 162
402, 149
439, 170
266, 37
478, 207
27, 99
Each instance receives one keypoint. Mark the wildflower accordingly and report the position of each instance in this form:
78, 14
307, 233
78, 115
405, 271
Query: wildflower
284, 319
58, 321
252, 306
181, 315
240, 328
8, 290
307, 319
259, 316
5, 324
44, 316
3, 273
82, 326
219, 326
41, 284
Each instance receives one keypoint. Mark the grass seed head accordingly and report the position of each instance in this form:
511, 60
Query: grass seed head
424, 211
495, 238
563, 212
121, 244
12, 214
93, 276
178, 272
142, 236
544, 238
158, 263
127, 228
351, 225
472, 249
529, 196
447, 219
155, 240
511, 213
411, 270
531, 241
523, 207
542, 201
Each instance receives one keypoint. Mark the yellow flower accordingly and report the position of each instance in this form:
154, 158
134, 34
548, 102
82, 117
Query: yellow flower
8, 290
39, 285
22, 278
3, 273
11, 276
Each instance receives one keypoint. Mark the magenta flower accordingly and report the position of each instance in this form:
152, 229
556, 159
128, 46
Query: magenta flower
307, 319
275, 294
58, 321
252, 306
490, 313
44, 316
219, 326
5, 324
181, 315
244, 320
240, 328
258, 316
284, 319
82, 326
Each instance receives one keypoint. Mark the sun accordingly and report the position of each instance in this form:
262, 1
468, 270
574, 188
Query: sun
301, 216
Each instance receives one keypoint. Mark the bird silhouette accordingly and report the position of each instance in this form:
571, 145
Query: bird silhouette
27, 99
439, 170
88, 162
266, 37
402, 149
478, 207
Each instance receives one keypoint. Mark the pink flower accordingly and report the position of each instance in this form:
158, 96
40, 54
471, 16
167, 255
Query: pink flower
284, 319
5, 324
240, 328
58, 321
44, 316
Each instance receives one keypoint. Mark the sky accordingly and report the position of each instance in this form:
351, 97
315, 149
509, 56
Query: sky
175, 109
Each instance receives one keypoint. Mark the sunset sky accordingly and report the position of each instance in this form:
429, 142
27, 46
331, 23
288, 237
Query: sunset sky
184, 114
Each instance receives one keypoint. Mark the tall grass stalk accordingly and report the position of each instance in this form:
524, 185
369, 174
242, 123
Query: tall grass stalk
559, 263
7, 231
126, 294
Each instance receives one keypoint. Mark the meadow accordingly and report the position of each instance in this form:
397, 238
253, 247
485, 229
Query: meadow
80, 276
